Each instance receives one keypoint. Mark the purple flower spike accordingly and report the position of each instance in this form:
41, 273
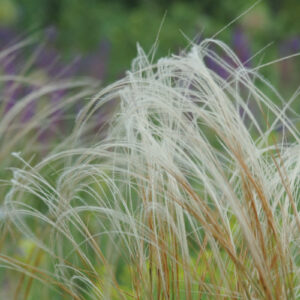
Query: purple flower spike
217, 68
47, 58
7, 36
287, 67
241, 46
10, 104
29, 112
55, 119
96, 63
55, 99
289, 46
65, 71
30, 109
11, 64
213, 64
295, 44
14, 94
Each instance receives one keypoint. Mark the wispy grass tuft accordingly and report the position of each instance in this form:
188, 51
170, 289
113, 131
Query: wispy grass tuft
36, 110
192, 193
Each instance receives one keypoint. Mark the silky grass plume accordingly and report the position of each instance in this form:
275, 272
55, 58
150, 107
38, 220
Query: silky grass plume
192, 193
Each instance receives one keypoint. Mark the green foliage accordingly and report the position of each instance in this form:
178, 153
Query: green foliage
83, 24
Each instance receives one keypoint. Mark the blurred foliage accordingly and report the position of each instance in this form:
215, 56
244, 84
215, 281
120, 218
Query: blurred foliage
83, 24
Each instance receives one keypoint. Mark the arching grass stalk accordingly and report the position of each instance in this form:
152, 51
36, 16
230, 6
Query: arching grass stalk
193, 193
32, 116
36, 116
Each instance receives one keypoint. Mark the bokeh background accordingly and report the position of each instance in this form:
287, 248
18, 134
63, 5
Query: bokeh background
100, 36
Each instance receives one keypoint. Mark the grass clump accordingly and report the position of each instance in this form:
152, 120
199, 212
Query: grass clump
192, 193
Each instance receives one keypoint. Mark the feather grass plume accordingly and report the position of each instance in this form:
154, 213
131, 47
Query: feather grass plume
192, 194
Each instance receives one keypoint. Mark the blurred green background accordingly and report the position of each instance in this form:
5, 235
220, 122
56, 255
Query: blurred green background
111, 28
